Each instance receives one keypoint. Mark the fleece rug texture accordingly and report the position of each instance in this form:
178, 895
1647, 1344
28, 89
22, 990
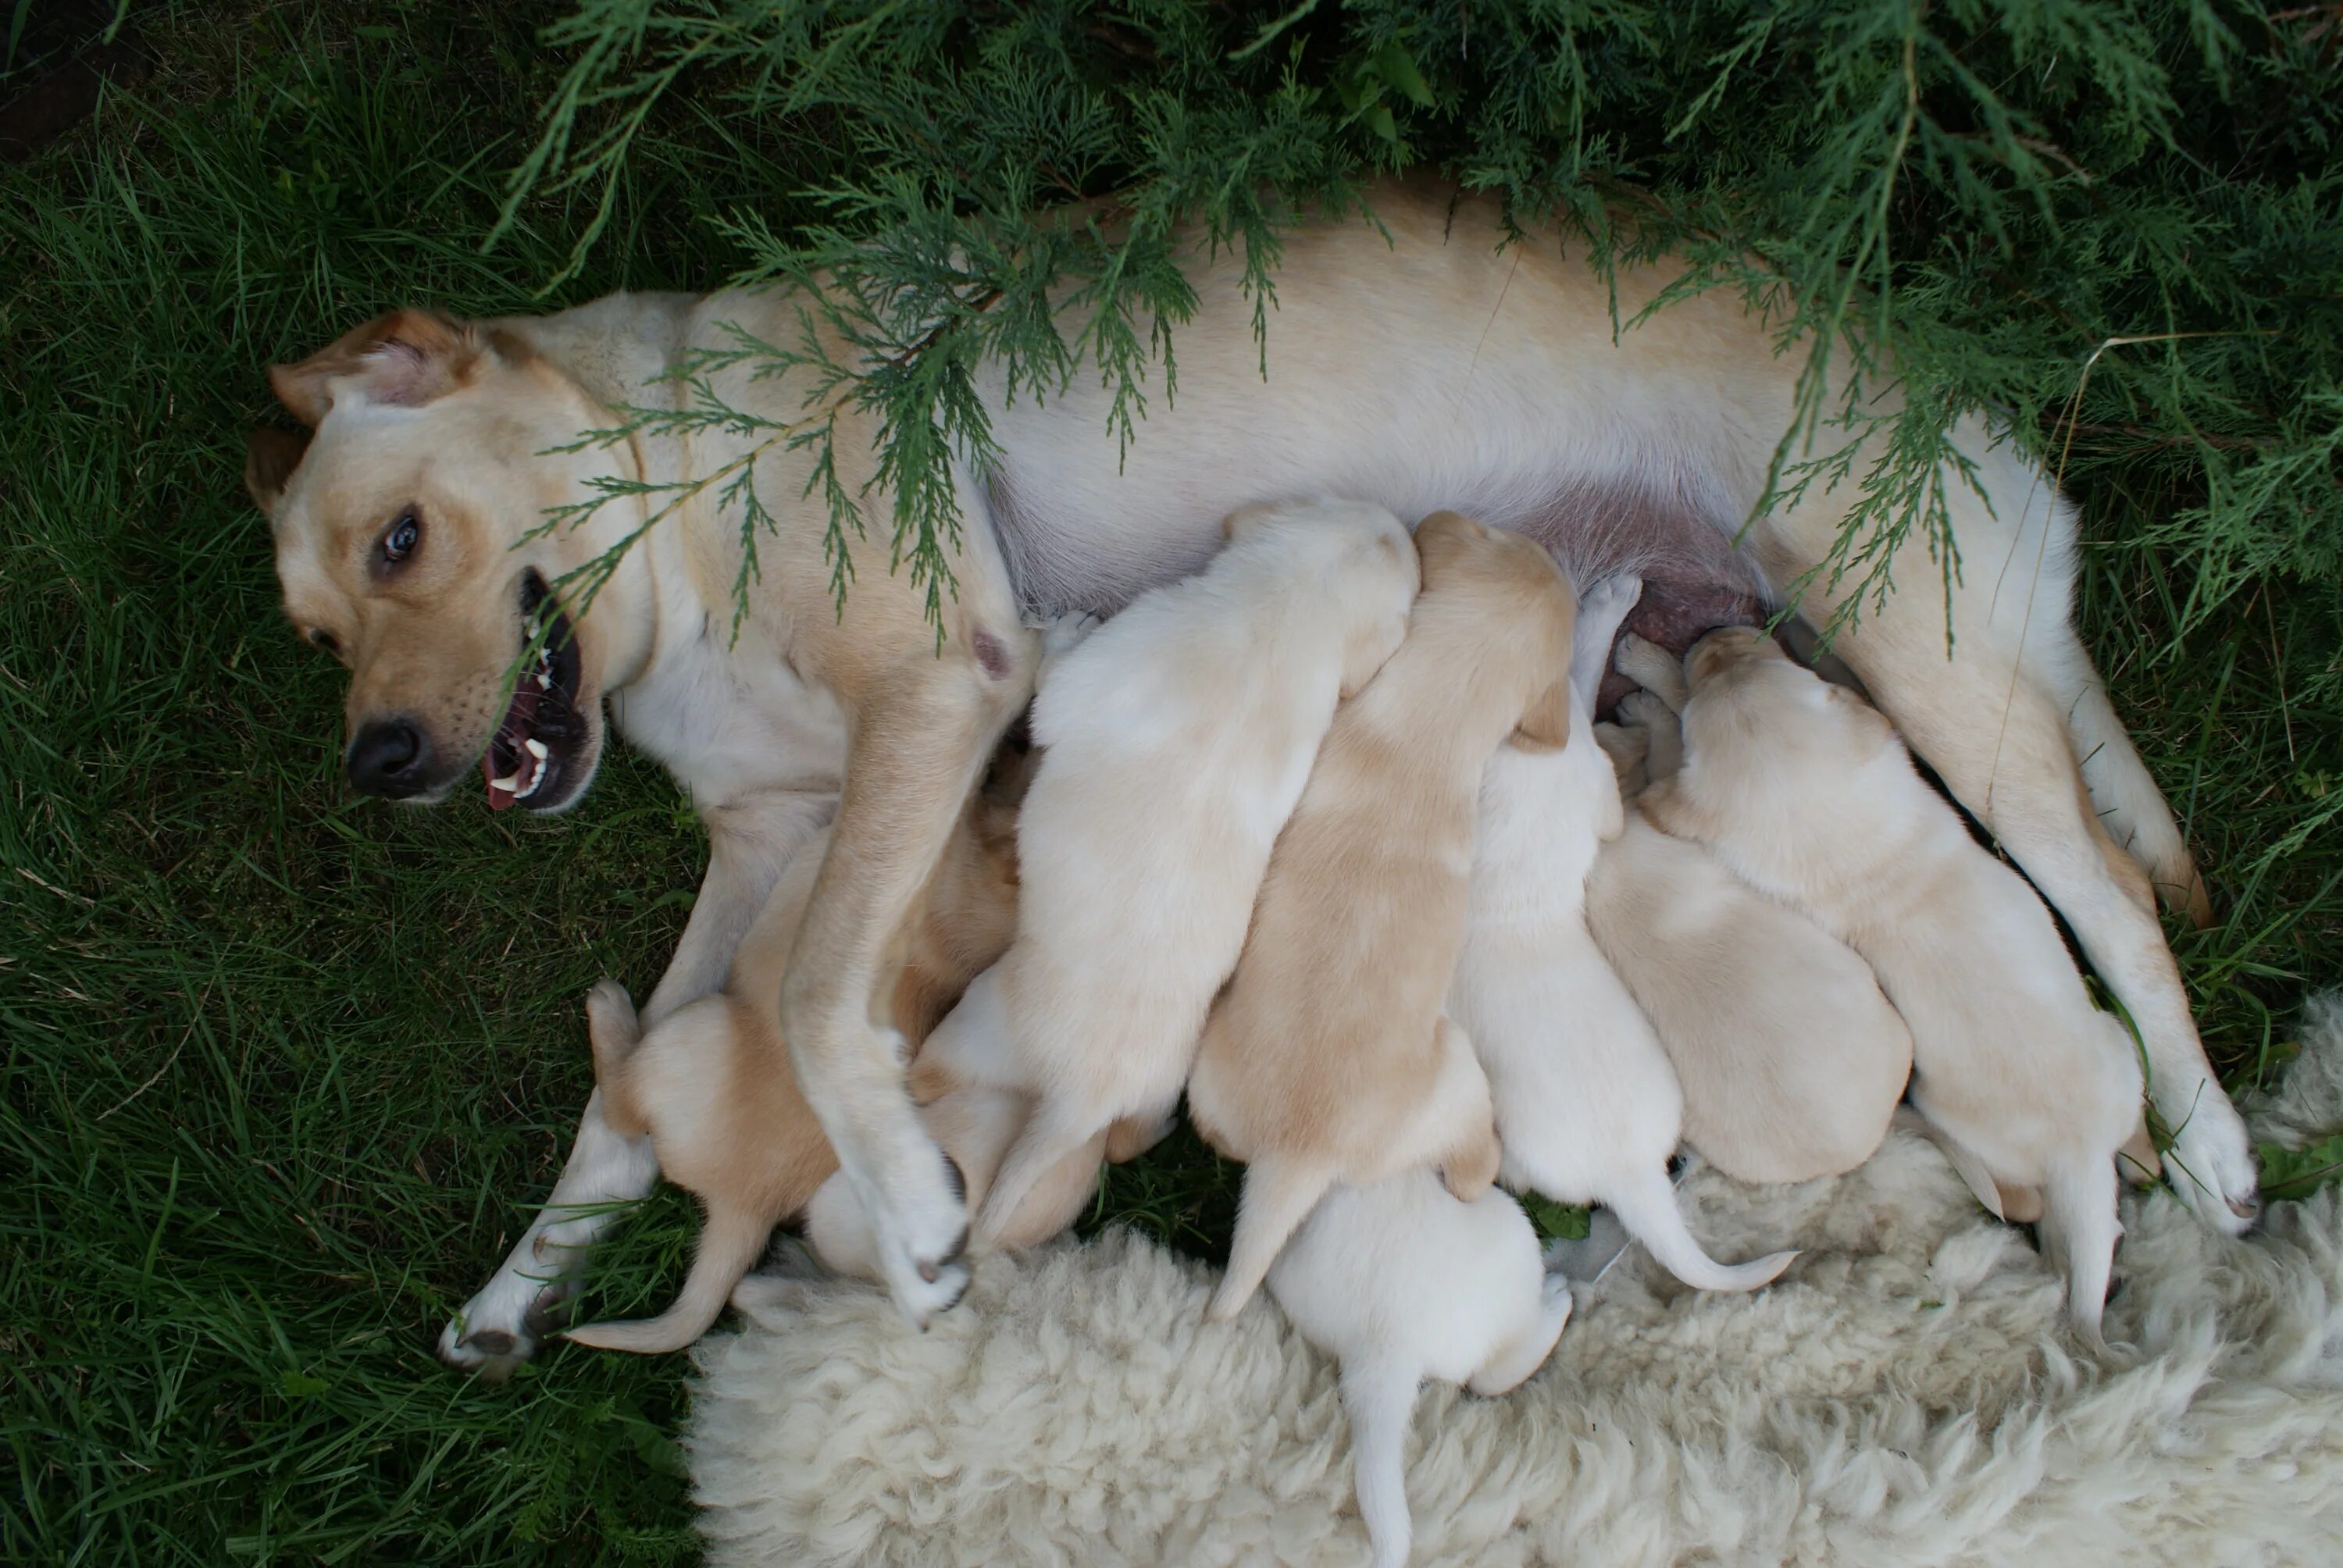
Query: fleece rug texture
1907, 1394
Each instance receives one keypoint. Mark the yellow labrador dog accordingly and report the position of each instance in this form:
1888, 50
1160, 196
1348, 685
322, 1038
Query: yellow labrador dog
1412, 364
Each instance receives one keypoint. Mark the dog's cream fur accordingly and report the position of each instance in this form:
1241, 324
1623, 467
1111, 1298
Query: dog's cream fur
1804, 791
1400, 1283
1587, 1107
1791, 1060
1411, 364
1174, 741
1329, 1058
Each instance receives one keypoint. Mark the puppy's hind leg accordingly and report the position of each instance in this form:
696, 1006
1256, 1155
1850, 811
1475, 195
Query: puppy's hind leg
1058, 1128
1663, 734
730, 1243
1514, 1362
1458, 1117
1279, 1193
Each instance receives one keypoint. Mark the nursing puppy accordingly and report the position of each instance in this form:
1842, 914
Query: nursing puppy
1790, 1059
1805, 791
1400, 1282
1587, 1107
713, 1087
1174, 741
1327, 1058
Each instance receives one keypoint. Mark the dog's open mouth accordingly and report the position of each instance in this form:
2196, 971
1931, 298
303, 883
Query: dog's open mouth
537, 739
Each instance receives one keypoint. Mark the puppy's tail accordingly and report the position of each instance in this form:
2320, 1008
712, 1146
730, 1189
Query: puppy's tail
2079, 1229
1279, 1193
1380, 1398
615, 1031
728, 1245
1648, 1208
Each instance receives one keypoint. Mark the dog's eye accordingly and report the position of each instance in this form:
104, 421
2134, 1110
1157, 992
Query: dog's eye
404, 534
320, 637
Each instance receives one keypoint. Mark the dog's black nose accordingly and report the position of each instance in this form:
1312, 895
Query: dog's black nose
388, 758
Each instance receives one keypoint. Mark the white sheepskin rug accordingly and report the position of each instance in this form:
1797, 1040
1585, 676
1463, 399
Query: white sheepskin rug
1907, 1394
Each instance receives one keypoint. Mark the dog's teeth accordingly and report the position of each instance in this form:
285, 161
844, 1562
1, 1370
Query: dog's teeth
544, 681
509, 786
537, 748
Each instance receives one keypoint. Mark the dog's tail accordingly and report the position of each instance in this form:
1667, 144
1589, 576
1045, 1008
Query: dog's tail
1380, 1397
1279, 1193
614, 1029
1648, 1208
728, 1246
2079, 1229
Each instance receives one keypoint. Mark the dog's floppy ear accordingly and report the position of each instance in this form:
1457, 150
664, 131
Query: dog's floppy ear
269, 459
1245, 519
1546, 725
406, 357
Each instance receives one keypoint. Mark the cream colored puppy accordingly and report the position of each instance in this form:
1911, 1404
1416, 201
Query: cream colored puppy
713, 1086
1400, 1282
1791, 1060
1329, 1058
1587, 1107
1805, 791
1174, 741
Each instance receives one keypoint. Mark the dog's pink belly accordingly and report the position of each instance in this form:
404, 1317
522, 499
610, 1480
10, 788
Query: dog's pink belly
1097, 559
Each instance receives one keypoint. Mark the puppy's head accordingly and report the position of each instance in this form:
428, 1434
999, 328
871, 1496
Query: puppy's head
403, 526
1719, 652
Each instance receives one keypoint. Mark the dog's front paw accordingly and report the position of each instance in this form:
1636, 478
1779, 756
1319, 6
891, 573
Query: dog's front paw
1639, 713
502, 1327
2211, 1161
918, 1230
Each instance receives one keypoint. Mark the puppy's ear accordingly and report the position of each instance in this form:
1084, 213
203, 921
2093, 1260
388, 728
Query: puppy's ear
1546, 725
269, 459
406, 358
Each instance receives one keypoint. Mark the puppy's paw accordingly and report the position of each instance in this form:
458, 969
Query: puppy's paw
1608, 601
1555, 1299
1639, 712
2211, 1161
504, 1325
1652, 668
1060, 635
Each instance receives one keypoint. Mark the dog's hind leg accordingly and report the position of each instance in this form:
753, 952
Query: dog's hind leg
1601, 610
2002, 746
1279, 1193
922, 731
2125, 798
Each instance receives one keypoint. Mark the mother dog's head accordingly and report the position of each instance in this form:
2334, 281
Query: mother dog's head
403, 531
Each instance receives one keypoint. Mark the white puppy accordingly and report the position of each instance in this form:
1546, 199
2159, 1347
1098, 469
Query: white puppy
1587, 1108
1400, 1283
1805, 793
1791, 1060
1175, 741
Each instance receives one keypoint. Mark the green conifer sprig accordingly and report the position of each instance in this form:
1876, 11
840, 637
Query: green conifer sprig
1945, 208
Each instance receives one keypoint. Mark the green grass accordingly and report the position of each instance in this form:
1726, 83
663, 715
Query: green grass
273, 1062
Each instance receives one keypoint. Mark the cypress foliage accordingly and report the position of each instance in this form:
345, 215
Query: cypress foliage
2117, 224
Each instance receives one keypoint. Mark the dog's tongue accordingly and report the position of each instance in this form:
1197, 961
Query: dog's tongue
508, 737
